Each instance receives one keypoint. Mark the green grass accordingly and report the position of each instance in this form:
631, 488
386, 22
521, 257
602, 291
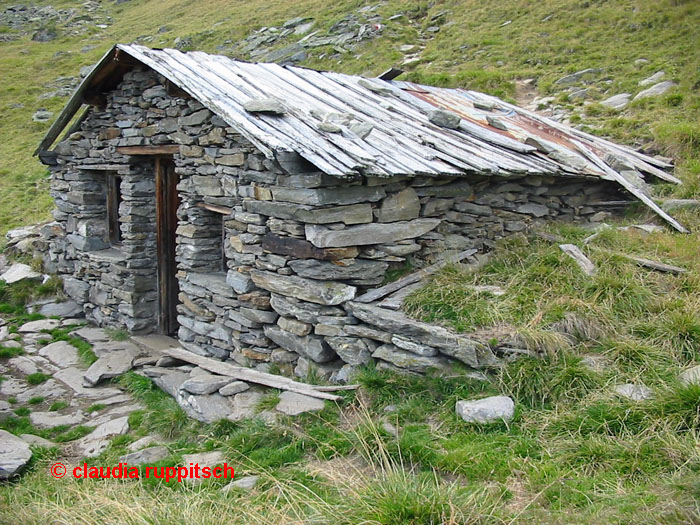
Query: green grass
6, 353
37, 378
57, 405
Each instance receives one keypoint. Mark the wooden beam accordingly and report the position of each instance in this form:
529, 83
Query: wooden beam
248, 374
385, 290
223, 210
168, 149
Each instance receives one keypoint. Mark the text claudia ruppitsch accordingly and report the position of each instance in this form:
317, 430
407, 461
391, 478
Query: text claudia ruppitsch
125, 471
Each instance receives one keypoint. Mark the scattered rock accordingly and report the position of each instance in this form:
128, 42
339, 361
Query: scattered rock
63, 309
488, 410
294, 404
653, 79
444, 118
203, 459
146, 455
31, 439
634, 392
205, 384
38, 326
108, 366
14, 454
42, 115
690, 376
264, 105
655, 90
206, 408
18, 272
61, 353
617, 101
245, 483
573, 78
233, 388
55, 419
98, 440
244, 405
142, 443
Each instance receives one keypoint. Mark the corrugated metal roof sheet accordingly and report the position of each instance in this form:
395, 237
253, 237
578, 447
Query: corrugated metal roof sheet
494, 138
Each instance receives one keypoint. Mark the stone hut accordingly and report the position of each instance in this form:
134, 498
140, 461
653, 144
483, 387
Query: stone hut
247, 209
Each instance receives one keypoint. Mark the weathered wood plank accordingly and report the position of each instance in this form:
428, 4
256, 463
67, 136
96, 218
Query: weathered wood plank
577, 255
385, 290
248, 374
302, 249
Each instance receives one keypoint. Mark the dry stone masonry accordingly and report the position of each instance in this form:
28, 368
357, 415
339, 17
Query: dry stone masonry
272, 253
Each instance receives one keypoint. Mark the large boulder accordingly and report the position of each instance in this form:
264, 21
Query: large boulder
488, 410
14, 454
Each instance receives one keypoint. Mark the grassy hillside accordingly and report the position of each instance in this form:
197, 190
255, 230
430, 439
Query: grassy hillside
481, 45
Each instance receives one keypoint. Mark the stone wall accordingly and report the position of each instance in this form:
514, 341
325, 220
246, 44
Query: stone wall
270, 254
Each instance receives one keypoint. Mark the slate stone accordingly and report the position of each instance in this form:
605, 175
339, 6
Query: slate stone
50, 389
313, 347
444, 118
413, 347
93, 335
365, 234
352, 350
207, 409
73, 377
351, 214
14, 454
171, 381
690, 376
205, 384
195, 119
362, 129
23, 364
98, 440
294, 326
401, 206
61, 353
264, 105
240, 282
55, 419
18, 272
655, 90
339, 270
233, 388
617, 101
38, 326
146, 455
537, 210
325, 293
293, 404
634, 392
573, 78
454, 345
108, 366
409, 360
245, 483
204, 459
327, 196
62, 309
38, 441
488, 410
653, 79
142, 443
245, 405
303, 311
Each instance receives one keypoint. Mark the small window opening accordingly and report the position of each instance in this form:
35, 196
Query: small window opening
224, 266
114, 198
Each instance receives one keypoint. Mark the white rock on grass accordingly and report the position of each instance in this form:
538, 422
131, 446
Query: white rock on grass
98, 440
18, 272
244, 483
38, 326
488, 410
142, 443
691, 376
634, 392
14, 454
54, 419
294, 404
655, 90
38, 441
146, 455
108, 366
61, 353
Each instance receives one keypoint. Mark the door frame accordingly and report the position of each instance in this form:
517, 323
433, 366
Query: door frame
167, 202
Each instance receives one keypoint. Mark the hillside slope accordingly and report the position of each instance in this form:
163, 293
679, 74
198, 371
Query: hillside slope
487, 46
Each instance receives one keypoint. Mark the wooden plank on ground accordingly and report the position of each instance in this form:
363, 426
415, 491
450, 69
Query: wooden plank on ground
577, 255
248, 374
385, 290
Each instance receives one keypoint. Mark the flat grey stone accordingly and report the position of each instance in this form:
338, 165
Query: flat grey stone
653, 79
38, 326
205, 384
401, 206
233, 388
617, 101
301, 310
203, 459
294, 326
634, 392
50, 389
73, 377
409, 360
55, 419
313, 347
328, 196
23, 365
142, 443
352, 350
14, 454
573, 78
93, 335
108, 366
63, 309
38, 441
61, 353
339, 270
326, 293
364, 234
352, 214
207, 409
655, 90
171, 381
146, 455
244, 405
691, 376
13, 386
264, 105
413, 347
444, 118
294, 404
245, 483
18, 272
487, 410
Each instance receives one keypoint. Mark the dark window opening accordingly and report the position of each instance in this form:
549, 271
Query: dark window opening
114, 198
224, 266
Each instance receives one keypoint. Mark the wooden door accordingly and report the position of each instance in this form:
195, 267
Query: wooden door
167, 201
